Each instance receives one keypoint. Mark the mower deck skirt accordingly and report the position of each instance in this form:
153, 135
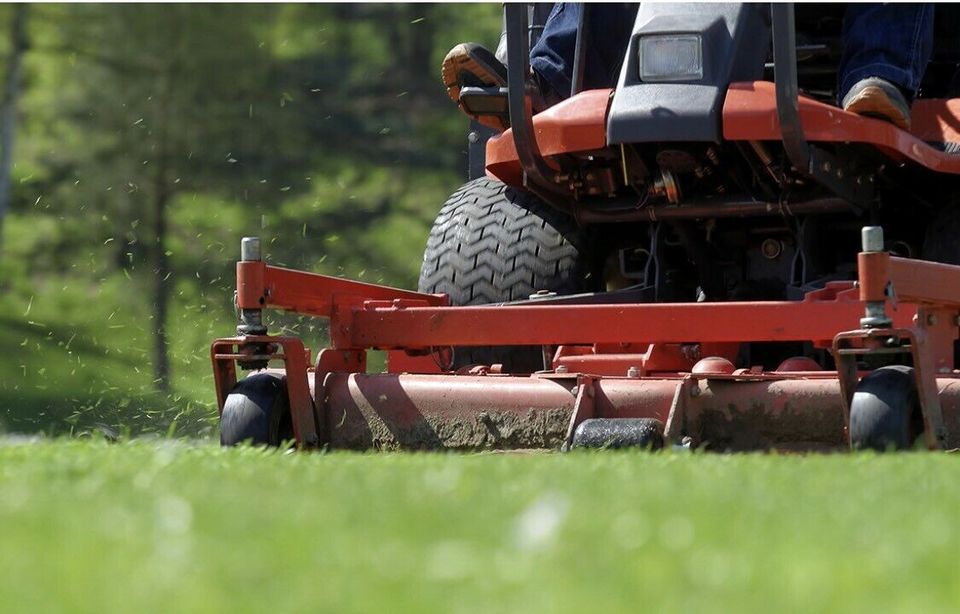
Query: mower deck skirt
390, 411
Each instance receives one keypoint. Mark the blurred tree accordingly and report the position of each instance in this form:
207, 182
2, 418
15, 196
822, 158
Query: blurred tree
168, 104
8, 111
155, 135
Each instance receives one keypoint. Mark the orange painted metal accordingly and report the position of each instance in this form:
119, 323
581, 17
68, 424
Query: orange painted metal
259, 285
874, 275
601, 342
638, 360
750, 411
929, 340
575, 124
226, 353
935, 120
919, 281
424, 327
750, 114
250, 284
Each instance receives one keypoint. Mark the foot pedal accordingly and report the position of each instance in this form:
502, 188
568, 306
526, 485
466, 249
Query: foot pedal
486, 102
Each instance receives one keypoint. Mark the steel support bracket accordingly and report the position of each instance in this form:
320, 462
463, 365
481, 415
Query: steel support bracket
226, 353
584, 407
848, 346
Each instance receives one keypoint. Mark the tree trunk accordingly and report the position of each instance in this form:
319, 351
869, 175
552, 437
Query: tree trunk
158, 254
161, 280
8, 114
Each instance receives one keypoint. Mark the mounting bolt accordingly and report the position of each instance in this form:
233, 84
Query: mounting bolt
250, 249
633, 372
872, 238
931, 319
826, 167
561, 369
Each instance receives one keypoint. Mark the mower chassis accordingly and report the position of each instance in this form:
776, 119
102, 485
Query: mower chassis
669, 362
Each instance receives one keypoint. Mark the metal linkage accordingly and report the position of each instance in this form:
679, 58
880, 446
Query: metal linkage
814, 162
875, 311
251, 319
539, 177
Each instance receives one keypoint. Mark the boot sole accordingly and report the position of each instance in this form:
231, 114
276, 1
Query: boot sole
872, 101
462, 59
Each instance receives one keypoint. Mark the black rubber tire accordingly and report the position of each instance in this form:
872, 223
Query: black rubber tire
885, 413
492, 243
257, 411
617, 433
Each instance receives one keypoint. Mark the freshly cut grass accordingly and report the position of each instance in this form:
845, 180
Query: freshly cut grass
169, 526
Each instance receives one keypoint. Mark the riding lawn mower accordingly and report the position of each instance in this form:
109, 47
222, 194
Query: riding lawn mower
709, 255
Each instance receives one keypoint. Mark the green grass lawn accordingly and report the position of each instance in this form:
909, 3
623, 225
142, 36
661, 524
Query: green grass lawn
173, 526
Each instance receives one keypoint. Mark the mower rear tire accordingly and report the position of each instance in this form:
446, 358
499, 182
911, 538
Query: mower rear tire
885, 412
257, 411
492, 243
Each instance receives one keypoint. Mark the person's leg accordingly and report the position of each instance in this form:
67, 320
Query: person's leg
551, 58
609, 27
884, 45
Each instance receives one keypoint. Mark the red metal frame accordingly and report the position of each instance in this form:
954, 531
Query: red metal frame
578, 124
930, 340
750, 114
636, 360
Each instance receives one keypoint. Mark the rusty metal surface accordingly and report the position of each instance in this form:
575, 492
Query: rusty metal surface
390, 411
730, 415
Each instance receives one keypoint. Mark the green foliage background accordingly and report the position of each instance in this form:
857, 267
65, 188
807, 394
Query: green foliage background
322, 128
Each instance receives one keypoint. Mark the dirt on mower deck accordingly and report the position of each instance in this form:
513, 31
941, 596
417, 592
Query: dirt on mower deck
400, 412
485, 430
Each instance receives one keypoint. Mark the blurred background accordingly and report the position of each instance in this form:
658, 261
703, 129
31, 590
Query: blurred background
139, 143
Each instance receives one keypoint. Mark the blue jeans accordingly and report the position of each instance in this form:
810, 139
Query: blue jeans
890, 41
608, 32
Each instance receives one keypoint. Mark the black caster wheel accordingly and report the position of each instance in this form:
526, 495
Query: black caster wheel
885, 413
257, 411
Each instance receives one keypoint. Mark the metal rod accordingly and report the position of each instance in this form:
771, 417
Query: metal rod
785, 80
722, 209
538, 177
579, 55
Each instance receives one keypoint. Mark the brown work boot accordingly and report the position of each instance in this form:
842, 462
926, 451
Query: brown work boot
472, 65
876, 97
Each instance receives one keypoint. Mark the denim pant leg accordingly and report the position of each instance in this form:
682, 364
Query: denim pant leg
609, 27
890, 41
